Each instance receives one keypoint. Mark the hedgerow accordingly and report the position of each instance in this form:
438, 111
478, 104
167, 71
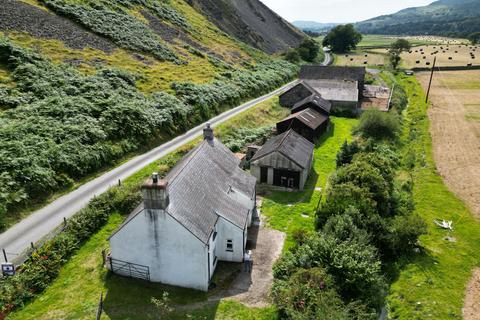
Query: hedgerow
242, 136
70, 125
116, 24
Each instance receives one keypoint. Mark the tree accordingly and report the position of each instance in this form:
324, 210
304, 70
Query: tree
308, 49
378, 125
342, 38
293, 56
474, 38
396, 50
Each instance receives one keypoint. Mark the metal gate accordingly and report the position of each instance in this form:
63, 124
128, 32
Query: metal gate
129, 269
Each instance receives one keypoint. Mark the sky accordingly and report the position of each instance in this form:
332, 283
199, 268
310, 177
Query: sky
338, 10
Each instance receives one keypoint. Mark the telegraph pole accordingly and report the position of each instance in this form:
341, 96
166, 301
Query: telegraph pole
431, 78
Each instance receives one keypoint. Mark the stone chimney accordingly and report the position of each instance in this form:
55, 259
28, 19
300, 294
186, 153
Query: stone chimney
208, 133
155, 193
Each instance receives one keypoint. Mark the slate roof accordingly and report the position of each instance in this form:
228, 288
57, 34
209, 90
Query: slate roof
309, 117
315, 99
332, 73
290, 144
336, 90
199, 188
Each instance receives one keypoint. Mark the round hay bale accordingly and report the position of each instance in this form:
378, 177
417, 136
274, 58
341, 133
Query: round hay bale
428, 63
417, 62
450, 58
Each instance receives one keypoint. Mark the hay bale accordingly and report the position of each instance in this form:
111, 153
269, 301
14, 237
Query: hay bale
428, 63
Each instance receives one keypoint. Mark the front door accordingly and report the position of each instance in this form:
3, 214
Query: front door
263, 175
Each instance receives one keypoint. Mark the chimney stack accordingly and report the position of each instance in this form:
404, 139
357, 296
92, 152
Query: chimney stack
208, 133
155, 193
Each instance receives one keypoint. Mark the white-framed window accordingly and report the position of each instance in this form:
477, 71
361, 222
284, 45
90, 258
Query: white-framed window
229, 245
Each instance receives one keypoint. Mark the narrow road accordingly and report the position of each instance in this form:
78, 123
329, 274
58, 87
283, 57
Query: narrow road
40, 223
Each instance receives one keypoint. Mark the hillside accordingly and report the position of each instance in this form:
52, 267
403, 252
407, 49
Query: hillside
85, 83
456, 18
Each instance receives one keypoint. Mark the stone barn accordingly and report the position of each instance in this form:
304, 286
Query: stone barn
308, 122
342, 86
299, 92
198, 215
315, 102
284, 161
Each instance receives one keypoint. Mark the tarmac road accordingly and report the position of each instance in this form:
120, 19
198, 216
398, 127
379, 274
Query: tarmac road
39, 224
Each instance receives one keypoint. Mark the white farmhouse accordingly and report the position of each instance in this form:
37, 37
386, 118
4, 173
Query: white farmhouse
198, 215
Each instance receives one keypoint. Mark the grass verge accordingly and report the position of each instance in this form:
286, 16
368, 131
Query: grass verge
431, 284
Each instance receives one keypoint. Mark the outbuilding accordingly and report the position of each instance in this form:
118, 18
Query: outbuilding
308, 122
295, 94
284, 161
198, 215
315, 102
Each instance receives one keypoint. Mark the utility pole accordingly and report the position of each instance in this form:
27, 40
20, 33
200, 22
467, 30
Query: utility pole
431, 78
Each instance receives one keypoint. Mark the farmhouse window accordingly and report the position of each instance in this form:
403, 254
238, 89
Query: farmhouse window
229, 245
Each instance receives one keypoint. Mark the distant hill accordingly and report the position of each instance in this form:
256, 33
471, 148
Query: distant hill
314, 26
456, 18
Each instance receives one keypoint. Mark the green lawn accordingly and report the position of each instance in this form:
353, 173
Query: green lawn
431, 285
289, 211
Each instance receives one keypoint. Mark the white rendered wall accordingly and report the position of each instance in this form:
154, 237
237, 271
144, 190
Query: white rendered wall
173, 254
226, 230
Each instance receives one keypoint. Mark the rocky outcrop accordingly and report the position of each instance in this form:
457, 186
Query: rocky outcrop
252, 22
20, 16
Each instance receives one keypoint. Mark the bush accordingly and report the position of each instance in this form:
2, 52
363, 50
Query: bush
240, 137
354, 266
311, 294
378, 125
346, 153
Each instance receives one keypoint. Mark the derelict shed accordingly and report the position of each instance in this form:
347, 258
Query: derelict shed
315, 102
198, 215
308, 122
284, 161
297, 93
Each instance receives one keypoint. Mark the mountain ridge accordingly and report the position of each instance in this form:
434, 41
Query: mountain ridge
456, 18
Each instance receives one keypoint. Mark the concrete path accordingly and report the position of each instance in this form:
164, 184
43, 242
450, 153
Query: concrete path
39, 224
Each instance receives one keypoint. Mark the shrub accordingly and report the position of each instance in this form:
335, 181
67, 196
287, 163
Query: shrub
354, 266
346, 153
309, 294
308, 50
404, 233
378, 125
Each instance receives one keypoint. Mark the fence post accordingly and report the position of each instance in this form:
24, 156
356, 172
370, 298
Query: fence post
31, 244
104, 258
64, 221
100, 307
5, 255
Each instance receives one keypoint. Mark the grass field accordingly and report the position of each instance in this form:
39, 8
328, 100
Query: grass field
75, 292
420, 56
361, 58
431, 285
382, 41
289, 211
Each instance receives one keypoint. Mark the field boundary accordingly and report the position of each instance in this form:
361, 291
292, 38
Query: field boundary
448, 68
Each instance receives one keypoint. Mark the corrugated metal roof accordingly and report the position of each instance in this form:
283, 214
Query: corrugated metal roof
290, 144
309, 117
315, 99
332, 72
